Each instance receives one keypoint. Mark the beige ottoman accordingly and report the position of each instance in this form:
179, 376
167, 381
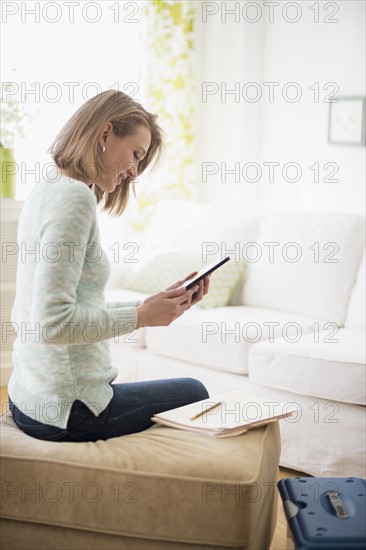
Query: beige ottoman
158, 489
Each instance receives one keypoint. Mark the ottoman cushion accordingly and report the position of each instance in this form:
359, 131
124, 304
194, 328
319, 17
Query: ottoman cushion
160, 488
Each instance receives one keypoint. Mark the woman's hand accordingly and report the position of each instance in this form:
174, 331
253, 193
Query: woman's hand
163, 308
202, 290
202, 287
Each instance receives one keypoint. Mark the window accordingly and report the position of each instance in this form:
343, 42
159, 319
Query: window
57, 55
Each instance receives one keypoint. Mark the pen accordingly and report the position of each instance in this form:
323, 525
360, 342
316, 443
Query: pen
205, 411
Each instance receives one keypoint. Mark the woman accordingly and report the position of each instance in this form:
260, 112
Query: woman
61, 386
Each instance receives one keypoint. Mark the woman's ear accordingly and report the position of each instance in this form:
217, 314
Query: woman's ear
107, 129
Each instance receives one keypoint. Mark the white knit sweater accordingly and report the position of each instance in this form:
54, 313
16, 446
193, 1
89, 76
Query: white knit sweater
61, 352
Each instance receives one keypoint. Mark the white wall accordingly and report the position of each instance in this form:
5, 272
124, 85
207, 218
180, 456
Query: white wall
304, 52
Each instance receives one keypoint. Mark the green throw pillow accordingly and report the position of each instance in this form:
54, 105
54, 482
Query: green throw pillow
159, 270
222, 284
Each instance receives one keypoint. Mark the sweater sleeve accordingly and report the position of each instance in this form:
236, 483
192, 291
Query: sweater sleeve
133, 303
67, 218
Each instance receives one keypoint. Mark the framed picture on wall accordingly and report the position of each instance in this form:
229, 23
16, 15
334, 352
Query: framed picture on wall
347, 121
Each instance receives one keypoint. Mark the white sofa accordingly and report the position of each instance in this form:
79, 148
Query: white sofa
293, 331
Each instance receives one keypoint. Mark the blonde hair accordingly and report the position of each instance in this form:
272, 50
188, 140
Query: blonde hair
77, 145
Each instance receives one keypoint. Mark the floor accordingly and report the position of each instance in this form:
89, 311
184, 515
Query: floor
279, 538
280, 534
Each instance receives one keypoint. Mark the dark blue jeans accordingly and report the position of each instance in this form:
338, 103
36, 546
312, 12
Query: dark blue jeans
129, 411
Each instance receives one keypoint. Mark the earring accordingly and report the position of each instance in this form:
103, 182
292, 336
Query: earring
103, 149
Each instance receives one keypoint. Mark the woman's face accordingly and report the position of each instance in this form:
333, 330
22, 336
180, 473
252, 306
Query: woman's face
123, 155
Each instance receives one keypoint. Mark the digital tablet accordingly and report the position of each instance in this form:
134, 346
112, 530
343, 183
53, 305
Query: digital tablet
205, 271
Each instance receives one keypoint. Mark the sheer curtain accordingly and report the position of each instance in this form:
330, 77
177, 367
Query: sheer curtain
168, 85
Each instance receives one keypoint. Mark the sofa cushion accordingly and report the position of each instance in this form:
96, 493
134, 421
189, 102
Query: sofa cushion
201, 229
356, 313
172, 217
123, 295
160, 485
331, 368
220, 338
313, 267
